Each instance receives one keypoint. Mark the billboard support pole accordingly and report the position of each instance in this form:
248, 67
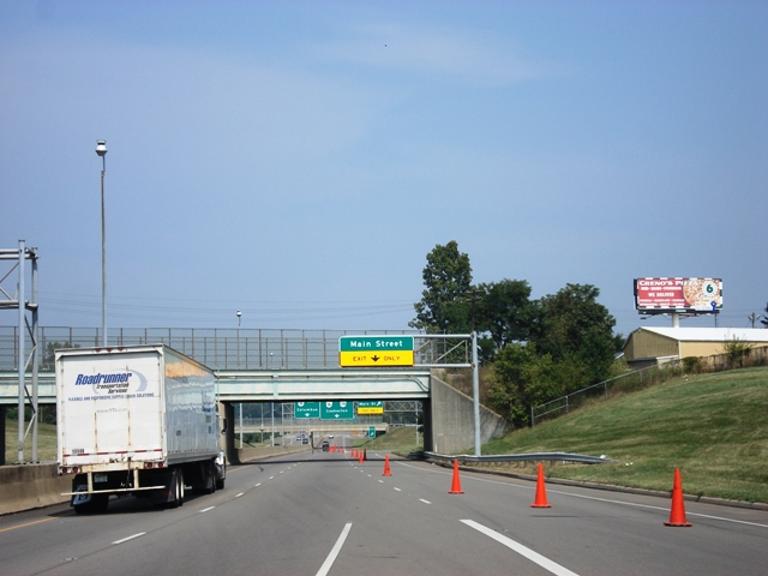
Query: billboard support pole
675, 320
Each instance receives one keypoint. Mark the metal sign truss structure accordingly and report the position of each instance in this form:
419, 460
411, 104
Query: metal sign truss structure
16, 299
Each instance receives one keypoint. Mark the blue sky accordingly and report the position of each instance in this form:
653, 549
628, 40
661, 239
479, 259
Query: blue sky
297, 161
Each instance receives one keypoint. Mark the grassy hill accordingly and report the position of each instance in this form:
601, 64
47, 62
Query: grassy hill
713, 426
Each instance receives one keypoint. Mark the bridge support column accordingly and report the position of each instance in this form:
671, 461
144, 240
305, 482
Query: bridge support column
426, 415
2, 435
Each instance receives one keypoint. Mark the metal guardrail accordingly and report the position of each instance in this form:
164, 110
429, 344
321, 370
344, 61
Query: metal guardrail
530, 457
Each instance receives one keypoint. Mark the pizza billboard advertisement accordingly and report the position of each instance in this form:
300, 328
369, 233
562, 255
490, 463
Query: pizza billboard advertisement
664, 294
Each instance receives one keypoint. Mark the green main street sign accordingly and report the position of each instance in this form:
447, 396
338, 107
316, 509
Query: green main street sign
337, 411
380, 343
376, 351
306, 410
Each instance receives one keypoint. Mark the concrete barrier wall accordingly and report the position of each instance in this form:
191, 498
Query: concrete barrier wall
453, 423
31, 486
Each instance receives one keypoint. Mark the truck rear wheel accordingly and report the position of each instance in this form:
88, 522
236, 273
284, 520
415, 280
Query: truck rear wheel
209, 477
177, 484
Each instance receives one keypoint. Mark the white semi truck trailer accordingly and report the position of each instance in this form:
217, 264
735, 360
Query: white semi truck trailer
136, 420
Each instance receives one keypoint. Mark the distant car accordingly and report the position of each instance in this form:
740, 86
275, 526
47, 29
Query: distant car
305, 440
325, 445
330, 436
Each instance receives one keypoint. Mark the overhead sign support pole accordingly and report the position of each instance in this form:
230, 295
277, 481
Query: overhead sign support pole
21, 360
476, 392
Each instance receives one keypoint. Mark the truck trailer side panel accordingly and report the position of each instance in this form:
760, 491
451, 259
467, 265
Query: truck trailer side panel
190, 409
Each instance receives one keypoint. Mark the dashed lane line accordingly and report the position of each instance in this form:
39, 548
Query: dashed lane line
128, 538
207, 509
532, 555
333, 554
425, 501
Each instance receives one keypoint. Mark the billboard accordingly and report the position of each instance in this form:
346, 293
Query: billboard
663, 294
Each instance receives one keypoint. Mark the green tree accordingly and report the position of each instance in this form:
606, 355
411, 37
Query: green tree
447, 299
505, 311
576, 330
523, 378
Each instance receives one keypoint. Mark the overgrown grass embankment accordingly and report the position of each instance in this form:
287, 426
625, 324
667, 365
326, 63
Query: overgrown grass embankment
713, 426
46, 442
400, 441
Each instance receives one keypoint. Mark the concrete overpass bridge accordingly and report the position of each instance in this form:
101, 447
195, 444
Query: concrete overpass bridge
447, 414
282, 386
277, 385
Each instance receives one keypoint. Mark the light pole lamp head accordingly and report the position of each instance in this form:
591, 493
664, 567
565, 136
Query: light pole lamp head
101, 148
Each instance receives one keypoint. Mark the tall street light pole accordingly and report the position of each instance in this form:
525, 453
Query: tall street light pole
239, 316
101, 150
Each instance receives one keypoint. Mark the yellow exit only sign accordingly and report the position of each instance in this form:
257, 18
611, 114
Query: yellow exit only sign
376, 358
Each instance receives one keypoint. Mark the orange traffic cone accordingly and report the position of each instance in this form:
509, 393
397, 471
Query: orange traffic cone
387, 467
360, 456
541, 492
456, 483
354, 453
677, 513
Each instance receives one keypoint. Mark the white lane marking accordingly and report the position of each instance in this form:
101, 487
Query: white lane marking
207, 509
370, 475
598, 499
532, 555
271, 477
381, 481
239, 494
137, 535
282, 471
328, 564
425, 501
257, 485
397, 489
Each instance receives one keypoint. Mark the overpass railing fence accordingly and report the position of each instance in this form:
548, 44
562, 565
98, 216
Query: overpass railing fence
218, 348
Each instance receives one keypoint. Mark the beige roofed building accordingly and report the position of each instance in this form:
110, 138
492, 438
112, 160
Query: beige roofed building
650, 345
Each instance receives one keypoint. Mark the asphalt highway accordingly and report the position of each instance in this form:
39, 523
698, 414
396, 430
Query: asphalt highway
324, 514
